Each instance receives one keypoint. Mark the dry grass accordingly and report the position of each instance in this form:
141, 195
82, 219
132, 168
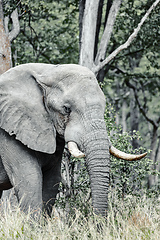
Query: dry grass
132, 218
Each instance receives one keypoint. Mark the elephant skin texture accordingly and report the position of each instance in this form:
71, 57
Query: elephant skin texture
42, 107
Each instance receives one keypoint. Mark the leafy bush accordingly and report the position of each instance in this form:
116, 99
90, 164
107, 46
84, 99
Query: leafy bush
128, 177
74, 191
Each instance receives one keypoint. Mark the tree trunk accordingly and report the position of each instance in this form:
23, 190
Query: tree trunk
6, 38
157, 164
134, 118
5, 48
151, 178
88, 33
124, 117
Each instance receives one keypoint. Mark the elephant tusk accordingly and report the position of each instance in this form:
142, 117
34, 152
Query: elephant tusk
125, 156
73, 149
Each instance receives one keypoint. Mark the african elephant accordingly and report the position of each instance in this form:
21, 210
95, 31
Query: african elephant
42, 107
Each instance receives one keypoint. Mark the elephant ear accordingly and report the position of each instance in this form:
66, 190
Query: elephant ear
22, 111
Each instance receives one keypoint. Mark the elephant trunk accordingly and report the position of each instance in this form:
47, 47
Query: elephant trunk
98, 164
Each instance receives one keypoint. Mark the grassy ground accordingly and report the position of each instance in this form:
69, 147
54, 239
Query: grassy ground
132, 218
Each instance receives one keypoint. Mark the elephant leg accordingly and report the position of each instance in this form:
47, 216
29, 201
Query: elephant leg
24, 172
52, 176
27, 182
9, 196
51, 180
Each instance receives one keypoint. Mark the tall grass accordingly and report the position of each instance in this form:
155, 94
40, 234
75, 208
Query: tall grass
131, 218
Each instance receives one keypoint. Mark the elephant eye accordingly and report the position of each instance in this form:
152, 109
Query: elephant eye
50, 107
67, 109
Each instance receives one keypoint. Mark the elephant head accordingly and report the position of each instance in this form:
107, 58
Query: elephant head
40, 102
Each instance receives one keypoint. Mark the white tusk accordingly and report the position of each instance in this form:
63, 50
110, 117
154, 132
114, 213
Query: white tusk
73, 149
125, 156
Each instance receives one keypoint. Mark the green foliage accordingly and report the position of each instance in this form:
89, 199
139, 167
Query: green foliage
137, 65
125, 176
130, 14
77, 195
49, 31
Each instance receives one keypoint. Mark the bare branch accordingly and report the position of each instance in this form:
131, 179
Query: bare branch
41, 52
97, 68
81, 14
98, 26
142, 110
16, 27
107, 31
6, 22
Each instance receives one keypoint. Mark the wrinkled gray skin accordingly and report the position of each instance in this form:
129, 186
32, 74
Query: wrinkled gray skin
42, 106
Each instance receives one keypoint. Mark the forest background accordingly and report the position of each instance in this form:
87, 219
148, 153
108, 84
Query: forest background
87, 32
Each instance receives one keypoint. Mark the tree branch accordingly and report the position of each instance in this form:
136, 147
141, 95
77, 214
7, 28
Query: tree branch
34, 47
16, 26
107, 31
141, 108
97, 68
154, 123
98, 27
81, 14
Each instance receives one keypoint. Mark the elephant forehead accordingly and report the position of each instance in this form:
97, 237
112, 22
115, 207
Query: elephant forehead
85, 95
73, 79
73, 69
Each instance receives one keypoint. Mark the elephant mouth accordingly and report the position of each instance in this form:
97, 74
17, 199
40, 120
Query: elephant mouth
75, 152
